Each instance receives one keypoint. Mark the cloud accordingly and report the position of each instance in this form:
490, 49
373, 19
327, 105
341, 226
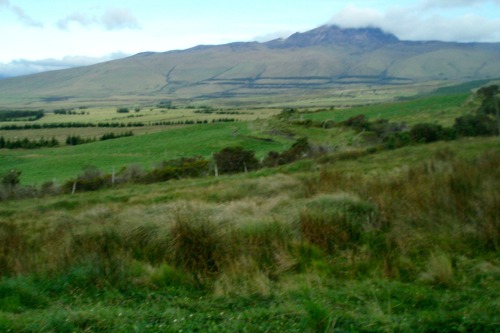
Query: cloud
419, 23
21, 14
79, 18
272, 36
455, 3
24, 18
113, 19
119, 18
24, 67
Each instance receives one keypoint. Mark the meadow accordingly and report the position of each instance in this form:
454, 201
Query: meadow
152, 144
357, 238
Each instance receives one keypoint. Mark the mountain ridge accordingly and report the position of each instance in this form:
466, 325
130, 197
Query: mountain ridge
320, 59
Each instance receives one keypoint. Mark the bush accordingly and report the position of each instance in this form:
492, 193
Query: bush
475, 125
123, 110
91, 179
358, 123
425, 133
397, 140
298, 150
489, 104
235, 159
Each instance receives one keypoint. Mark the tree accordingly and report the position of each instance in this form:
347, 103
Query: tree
235, 159
425, 132
11, 179
475, 125
490, 103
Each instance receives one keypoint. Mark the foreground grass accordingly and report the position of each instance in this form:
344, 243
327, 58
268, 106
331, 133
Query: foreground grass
403, 240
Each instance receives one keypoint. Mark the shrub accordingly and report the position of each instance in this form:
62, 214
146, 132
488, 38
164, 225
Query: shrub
235, 159
11, 179
397, 140
298, 150
91, 179
489, 104
475, 125
425, 133
358, 123
123, 110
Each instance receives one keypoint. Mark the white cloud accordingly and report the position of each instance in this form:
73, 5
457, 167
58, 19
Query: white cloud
455, 3
272, 36
419, 23
76, 17
113, 19
25, 67
21, 14
119, 18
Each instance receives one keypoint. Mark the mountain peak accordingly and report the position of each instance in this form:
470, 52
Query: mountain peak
334, 35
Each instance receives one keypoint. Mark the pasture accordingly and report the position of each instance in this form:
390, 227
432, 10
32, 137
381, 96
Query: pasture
357, 237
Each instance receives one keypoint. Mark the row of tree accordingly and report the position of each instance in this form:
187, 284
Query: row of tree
73, 140
14, 127
8, 115
27, 144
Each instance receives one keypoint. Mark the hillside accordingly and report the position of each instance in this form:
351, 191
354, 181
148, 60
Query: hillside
315, 62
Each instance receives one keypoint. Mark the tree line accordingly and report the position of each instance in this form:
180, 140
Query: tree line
27, 144
71, 140
14, 127
8, 115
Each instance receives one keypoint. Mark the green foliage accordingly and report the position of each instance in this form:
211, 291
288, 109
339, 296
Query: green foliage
489, 103
27, 144
318, 317
123, 110
425, 133
235, 159
475, 125
19, 115
11, 179
299, 149
196, 244
335, 222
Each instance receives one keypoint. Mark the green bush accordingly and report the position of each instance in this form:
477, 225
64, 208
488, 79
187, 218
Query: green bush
475, 125
299, 149
425, 133
235, 159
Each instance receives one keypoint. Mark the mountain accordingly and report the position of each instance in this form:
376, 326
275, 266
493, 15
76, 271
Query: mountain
322, 59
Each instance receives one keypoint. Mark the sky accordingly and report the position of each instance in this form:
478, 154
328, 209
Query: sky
41, 35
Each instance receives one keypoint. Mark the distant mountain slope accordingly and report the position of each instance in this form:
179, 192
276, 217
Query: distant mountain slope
322, 58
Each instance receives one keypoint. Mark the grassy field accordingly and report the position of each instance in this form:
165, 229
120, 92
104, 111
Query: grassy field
435, 109
419, 252
153, 144
352, 240
147, 150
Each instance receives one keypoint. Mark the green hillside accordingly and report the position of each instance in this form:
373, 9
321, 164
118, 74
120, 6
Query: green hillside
259, 72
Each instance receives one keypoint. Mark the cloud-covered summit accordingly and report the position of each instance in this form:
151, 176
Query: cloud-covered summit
427, 20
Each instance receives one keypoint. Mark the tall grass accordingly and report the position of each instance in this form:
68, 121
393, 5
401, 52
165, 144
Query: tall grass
429, 226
